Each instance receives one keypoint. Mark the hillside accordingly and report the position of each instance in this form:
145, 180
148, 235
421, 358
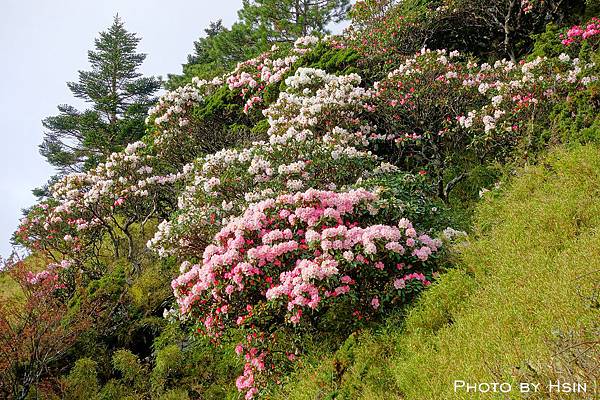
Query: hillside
521, 305
376, 214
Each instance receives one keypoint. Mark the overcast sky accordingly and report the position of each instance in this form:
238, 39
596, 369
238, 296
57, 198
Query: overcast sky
42, 46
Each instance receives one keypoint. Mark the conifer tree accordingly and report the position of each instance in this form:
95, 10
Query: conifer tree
286, 20
119, 98
261, 24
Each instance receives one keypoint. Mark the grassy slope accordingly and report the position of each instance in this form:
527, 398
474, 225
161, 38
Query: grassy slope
525, 278
9, 289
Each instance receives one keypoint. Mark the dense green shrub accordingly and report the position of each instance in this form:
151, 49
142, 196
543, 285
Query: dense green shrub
82, 381
133, 373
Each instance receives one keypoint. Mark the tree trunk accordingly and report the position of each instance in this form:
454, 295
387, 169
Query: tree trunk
508, 29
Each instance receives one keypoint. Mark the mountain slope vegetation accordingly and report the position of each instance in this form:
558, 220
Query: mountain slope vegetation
373, 214
519, 307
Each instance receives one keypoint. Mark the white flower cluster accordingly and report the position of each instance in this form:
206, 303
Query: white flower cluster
311, 94
522, 89
124, 174
172, 114
293, 168
174, 103
303, 44
298, 154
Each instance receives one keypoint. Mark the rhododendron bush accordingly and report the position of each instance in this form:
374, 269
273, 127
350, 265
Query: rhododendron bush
198, 117
419, 102
522, 100
317, 139
107, 200
588, 33
47, 227
383, 35
37, 329
447, 111
287, 260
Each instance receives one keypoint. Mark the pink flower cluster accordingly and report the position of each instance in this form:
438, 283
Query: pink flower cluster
291, 255
400, 283
56, 226
49, 275
254, 361
251, 77
577, 33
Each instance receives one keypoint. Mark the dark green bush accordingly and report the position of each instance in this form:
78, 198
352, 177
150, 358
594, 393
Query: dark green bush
82, 381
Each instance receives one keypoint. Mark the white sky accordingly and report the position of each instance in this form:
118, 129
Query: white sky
43, 43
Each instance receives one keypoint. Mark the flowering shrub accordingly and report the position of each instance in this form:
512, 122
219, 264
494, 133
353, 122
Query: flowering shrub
50, 274
589, 33
106, 200
444, 111
383, 33
49, 227
417, 104
172, 115
250, 78
523, 99
292, 257
316, 139
179, 120
37, 329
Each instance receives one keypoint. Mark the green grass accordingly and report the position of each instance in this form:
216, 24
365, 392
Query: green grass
9, 289
525, 282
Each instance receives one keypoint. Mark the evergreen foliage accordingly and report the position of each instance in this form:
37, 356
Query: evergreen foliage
261, 23
287, 20
119, 97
